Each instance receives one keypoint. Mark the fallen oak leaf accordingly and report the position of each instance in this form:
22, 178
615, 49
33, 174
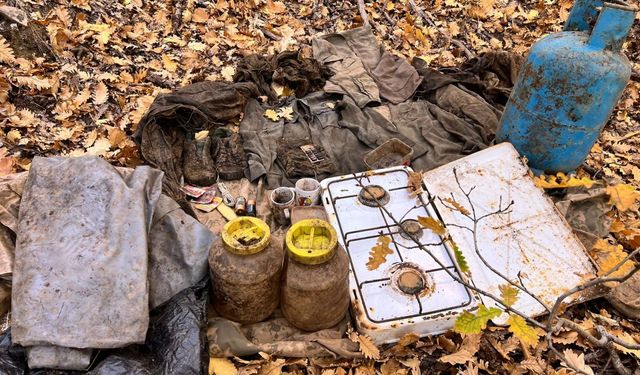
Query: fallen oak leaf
432, 224
227, 73
457, 206
6, 52
561, 180
271, 115
474, 323
378, 254
508, 294
101, 93
523, 331
622, 196
367, 347
221, 366
286, 113
466, 352
576, 361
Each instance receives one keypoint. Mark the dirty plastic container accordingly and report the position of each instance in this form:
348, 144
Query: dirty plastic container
245, 271
315, 286
389, 154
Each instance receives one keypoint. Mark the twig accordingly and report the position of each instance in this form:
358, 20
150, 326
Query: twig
470, 55
363, 13
269, 34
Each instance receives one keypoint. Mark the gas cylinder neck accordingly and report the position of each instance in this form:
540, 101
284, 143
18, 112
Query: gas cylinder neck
583, 15
612, 27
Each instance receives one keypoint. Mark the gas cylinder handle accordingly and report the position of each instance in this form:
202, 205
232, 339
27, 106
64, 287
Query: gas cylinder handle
612, 27
583, 15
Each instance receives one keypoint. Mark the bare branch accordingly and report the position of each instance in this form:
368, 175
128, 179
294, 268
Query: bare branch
363, 13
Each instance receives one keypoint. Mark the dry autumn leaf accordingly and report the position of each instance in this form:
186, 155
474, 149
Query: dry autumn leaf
415, 183
367, 347
608, 256
271, 115
622, 196
561, 180
101, 93
6, 52
221, 366
466, 352
378, 254
432, 224
457, 206
576, 361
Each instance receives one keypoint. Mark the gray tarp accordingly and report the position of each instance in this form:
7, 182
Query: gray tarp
178, 244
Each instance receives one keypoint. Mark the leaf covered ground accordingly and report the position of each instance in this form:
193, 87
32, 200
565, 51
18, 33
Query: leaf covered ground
78, 78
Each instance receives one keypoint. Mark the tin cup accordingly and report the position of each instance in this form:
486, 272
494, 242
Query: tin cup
307, 192
282, 199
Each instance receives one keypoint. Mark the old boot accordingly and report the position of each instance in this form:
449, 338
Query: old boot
230, 157
197, 165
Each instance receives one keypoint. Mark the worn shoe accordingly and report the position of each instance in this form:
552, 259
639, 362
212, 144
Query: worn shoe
198, 167
230, 158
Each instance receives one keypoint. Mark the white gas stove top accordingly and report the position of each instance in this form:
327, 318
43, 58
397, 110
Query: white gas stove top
412, 291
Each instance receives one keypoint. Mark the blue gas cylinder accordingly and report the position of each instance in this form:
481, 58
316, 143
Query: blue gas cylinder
568, 87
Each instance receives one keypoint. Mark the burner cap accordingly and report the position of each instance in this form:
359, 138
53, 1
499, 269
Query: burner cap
372, 195
409, 279
412, 229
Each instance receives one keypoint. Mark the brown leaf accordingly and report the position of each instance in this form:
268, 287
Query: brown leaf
457, 206
367, 347
466, 352
6, 52
101, 93
577, 361
415, 183
116, 137
378, 254
200, 15
432, 224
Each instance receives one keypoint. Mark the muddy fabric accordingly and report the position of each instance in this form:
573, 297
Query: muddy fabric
56, 357
491, 75
178, 249
288, 68
348, 52
231, 160
175, 343
197, 164
297, 164
335, 122
586, 211
276, 336
161, 132
93, 292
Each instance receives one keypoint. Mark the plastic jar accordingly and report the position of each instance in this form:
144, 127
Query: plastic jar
315, 286
245, 271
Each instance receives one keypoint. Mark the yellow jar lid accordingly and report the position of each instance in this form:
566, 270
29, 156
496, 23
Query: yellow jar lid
246, 235
311, 241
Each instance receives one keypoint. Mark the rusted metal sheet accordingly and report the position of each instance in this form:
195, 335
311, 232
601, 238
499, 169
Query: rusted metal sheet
531, 243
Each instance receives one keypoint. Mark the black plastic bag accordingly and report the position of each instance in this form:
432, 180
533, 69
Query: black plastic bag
175, 343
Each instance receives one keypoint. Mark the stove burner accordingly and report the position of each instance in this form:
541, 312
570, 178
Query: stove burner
373, 195
409, 279
412, 229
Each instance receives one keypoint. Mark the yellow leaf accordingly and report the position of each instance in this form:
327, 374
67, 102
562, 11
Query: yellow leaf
228, 72
169, 64
622, 196
6, 52
201, 135
14, 135
432, 224
196, 46
608, 256
469, 347
221, 366
101, 93
271, 115
378, 254
561, 180
457, 206
508, 294
286, 113
520, 329
474, 323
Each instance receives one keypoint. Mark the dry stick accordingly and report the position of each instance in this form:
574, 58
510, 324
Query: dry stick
421, 13
474, 232
363, 12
